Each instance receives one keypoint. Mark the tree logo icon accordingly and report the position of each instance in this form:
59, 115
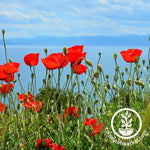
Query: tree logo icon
126, 123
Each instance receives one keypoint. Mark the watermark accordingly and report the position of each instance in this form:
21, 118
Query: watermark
126, 124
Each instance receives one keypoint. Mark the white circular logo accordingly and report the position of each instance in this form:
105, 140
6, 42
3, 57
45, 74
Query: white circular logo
125, 130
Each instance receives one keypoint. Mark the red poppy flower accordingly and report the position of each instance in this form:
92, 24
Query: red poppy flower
131, 54
2, 107
48, 143
75, 54
11, 67
4, 76
31, 59
25, 98
79, 69
6, 88
90, 122
57, 147
71, 111
55, 61
97, 128
36, 105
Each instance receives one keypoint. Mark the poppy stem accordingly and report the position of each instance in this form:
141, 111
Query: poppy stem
3, 33
58, 79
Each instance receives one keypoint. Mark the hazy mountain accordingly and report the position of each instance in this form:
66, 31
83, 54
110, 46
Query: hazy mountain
85, 40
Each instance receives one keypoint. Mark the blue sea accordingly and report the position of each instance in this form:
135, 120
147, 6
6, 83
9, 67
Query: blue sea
17, 53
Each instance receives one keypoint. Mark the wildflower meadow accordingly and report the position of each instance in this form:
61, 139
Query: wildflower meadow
77, 114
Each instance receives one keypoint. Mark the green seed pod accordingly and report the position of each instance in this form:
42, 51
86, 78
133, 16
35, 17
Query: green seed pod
108, 86
99, 67
89, 63
129, 82
107, 76
10, 60
18, 106
14, 81
49, 76
143, 61
18, 75
96, 75
82, 82
140, 83
3, 31
117, 68
65, 50
139, 65
114, 87
126, 69
32, 75
29, 92
89, 110
18, 93
105, 89
147, 67
137, 60
44, 81
122, 82
45, 50
122, 73
68, 76
115, 56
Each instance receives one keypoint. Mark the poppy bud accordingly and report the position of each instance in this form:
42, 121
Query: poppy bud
1, 86
147, 67
137, 60
49, 76
44, 81
18, 106
82, 82
10, 60
108, 86
68, 76
117, 68
96, 75
65, 50
115, 56
89, 63
126, 69
139, 65
14, 81
129, 82
143, 61
107, 76
99, 53
122, 73
89, 110
99, 67
18, 74
18, 93
149, 38
32, 75
29, 92
123, 82
105, 89
140, 83
45, 50
3, 31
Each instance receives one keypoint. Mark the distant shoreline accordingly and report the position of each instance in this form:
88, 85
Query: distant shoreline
133, 40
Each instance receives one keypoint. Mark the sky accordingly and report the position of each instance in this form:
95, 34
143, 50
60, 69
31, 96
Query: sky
59, 18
